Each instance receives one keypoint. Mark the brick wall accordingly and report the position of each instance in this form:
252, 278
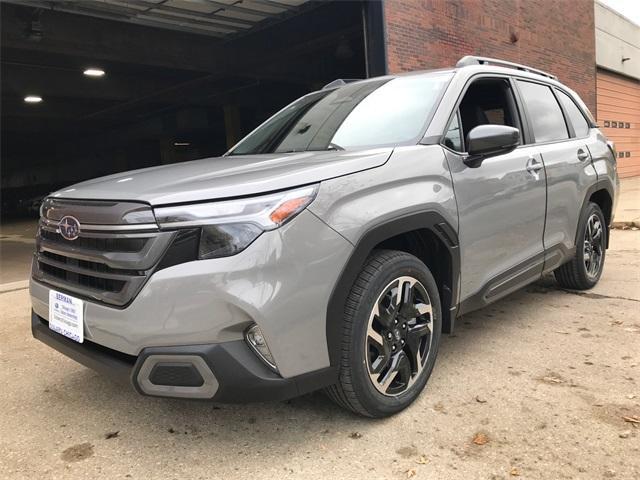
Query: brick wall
554, 35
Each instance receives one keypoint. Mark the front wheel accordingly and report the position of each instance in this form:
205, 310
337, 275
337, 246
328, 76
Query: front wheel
391, 334
585, 269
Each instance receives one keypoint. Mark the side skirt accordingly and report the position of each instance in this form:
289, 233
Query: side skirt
517, 277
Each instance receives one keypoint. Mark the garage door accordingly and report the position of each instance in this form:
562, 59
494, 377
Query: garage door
619, 117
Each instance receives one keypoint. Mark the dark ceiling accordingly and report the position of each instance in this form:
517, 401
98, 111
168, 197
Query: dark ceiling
215, 18
161, 86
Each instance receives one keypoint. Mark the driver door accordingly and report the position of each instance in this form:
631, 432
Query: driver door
501, 203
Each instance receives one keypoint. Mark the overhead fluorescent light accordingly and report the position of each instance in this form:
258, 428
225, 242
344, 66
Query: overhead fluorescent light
94, 72
181, 144
33, 99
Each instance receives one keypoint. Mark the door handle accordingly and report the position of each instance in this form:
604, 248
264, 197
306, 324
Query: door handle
534, 165
582, 155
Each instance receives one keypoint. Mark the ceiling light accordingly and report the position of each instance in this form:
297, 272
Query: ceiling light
33, 99
181, 144
94, 72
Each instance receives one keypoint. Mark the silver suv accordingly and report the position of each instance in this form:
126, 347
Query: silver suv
333, 246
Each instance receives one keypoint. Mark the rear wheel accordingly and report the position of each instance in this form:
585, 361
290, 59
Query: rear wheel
391, 334
585, 269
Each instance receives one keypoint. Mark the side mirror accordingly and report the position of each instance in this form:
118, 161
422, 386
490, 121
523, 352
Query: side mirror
486, 141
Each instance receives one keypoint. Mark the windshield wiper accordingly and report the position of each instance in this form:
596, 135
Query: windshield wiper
334, 146
331, 146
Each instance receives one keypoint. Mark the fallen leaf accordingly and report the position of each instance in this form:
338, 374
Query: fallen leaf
480, 399
480, 439
356, 435
514, 472
422, 460
634, 420
551, 379
561, 332
625, 434
411, 472
109, 435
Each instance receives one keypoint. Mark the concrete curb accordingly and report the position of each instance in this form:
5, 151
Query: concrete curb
13, 286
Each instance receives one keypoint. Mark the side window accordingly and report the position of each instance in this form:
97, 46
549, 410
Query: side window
580, 125
488, 101
544, 113
453, 137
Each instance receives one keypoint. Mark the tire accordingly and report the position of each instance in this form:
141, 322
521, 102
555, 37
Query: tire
358, 389
580, 274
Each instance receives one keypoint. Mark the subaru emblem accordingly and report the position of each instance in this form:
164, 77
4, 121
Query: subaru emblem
69, 227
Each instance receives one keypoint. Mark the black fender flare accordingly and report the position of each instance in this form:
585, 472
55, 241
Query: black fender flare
429, 220
604, 184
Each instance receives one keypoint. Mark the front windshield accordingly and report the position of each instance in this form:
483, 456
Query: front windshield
364, 114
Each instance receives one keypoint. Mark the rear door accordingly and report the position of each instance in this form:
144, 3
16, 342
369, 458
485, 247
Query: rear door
562, 140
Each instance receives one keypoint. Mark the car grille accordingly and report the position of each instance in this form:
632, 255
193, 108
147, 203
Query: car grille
100, 244
66, 269
108, 263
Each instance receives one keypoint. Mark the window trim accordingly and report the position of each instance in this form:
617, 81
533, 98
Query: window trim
567, 121
524, 124
527, 134
556, 91
462, 142
527, 137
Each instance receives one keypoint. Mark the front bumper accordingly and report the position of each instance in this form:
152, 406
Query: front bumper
282, 282
229, 371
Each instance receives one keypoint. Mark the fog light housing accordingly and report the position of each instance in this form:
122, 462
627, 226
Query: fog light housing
255, 339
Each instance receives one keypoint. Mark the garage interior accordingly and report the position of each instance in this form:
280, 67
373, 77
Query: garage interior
98, 87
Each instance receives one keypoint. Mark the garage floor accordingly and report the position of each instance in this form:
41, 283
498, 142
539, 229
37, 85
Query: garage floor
16, 247
536, 386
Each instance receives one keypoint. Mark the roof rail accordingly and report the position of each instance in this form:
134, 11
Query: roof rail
473, 60
339, 83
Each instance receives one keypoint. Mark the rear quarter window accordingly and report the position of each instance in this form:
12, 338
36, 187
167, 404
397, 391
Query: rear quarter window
580, 125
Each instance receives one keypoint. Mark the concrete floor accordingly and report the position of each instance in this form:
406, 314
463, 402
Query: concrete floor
16, 247
541, 380
628, 208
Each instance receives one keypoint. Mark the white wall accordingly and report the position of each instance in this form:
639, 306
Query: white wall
617, 38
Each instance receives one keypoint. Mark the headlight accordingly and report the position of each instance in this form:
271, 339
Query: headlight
226, 240
229, 226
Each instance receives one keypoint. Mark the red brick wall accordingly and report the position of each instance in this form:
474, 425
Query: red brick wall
554, 35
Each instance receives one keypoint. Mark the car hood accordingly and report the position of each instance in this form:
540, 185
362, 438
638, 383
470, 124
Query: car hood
223, 177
